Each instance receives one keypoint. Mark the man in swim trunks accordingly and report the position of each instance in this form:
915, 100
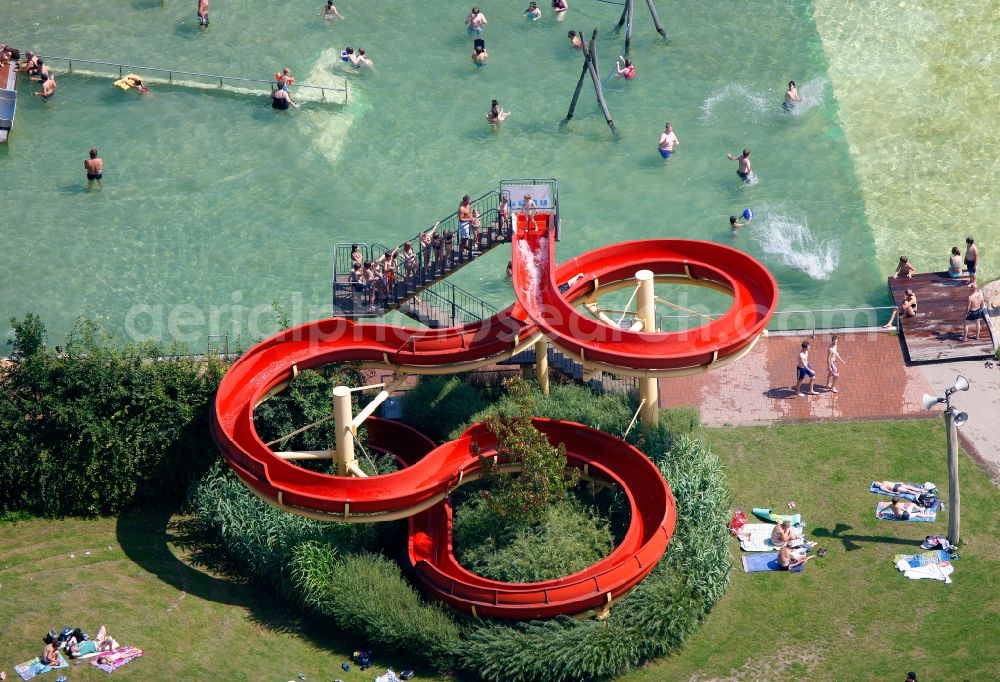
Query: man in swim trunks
803, 370
464, 226
203, 12
789, 558
897, 487
791, 97
974, 310
95, 169
744, 170
667, 141
476, 21
971, 258
48, 87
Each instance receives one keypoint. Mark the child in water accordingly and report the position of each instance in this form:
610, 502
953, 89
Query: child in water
330, 11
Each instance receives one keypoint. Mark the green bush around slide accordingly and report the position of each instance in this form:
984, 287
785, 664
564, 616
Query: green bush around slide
345, 572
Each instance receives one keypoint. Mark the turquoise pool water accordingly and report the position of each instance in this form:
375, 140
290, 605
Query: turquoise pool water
215, 206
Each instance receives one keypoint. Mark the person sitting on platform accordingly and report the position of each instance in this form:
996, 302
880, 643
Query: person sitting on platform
955, 263
908, 308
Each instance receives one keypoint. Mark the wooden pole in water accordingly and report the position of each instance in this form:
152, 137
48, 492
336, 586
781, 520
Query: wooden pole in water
621, 20
595, 76
630, 11
579, 84
656, 19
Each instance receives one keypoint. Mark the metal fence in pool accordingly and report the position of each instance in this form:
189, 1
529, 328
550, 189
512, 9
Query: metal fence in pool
193, 78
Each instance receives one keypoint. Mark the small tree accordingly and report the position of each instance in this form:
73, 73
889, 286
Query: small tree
521, 498
29, 336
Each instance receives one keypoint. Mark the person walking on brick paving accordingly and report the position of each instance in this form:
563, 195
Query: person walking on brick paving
803, 370
832, 358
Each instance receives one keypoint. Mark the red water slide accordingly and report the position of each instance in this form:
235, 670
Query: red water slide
536, 286
420, 490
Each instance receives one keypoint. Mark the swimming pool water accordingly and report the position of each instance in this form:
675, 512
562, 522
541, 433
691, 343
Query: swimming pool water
215, 206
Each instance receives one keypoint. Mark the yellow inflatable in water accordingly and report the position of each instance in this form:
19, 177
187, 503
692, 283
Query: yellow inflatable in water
129, 81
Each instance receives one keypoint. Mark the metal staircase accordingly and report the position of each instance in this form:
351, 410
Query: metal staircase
418, 290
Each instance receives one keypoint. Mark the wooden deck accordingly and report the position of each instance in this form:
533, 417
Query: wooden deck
936, 333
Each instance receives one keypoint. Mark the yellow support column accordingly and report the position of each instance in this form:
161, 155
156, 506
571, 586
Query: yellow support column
342, 416
649, 388
542, 364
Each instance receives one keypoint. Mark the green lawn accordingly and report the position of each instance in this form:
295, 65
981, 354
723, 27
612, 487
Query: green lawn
849, 616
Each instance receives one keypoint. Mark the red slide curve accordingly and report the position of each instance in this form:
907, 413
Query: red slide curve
754, 291
420, 490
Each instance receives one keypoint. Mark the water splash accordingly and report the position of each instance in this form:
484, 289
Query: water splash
812, 92
533, 265
789, 238
746, 102
753, 102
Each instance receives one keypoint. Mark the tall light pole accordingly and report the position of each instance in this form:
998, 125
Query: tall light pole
952, 419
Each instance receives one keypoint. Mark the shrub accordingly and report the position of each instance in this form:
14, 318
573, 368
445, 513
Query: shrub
569, 537
307, 399
609, 412
438, 404
521, 498
327, 567
99, 428
654, 619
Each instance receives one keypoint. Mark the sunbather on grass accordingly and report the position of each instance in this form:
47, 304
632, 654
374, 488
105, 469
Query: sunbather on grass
785, 534
896, 487
102, 642
904, 511
789, 558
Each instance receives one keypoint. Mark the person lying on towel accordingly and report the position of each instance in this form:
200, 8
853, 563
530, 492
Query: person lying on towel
904, 511
785, 534
789, 558
103, 642
896, 487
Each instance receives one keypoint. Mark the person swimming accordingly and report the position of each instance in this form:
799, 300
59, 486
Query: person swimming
625, 68
533, 13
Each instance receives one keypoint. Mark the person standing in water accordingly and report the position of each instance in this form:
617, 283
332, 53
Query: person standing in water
533, 13
575, 40
479, 53
496, 115
791, 97
667, 141
744, 170
476, 21
203, 12
95, 169
330, 11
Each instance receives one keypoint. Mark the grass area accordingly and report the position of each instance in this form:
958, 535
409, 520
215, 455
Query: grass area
849, 616
130, 574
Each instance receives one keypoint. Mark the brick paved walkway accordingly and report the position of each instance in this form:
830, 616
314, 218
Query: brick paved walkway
759, 389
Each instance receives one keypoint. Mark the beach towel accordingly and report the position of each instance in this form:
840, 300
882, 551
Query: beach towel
767, 515
111, 661
941, 571
882, 513
756, 537
30, 669
907, 561
756, 563
906, 496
